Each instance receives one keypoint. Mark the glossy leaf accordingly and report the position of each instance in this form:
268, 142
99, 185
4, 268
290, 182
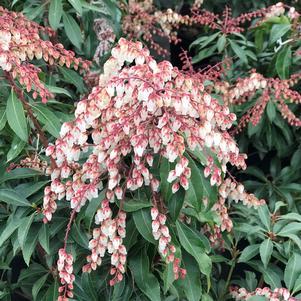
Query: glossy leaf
144, 279
292, 271
265, 250
72, 30
16, 116
11, 197
143, 222
55, 13
194, 246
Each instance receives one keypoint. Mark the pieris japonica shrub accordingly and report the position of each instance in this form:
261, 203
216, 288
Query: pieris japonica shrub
138, 179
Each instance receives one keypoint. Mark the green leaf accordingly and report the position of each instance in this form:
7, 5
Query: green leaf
44, 238
265, 250
165, 187
271, 110
221, 43
55, 13
24, 228
72, 30
15, 149
19, 173
58, 90
291, 228
28, 189
191, 284
192, 243
52, 292
3, 119
131, 205
292, 271
291, 217
198, 186
283, 62
77, 6
30, 244
168, 277
297, 286
264, 215
278, 31
10, 228
93, 205
272, 278
48, 118
16, 116
238, 51
143, 222
202, 42
72, 77
144, 279
79, 235
38, 285
11, 197
248, 253
175, 204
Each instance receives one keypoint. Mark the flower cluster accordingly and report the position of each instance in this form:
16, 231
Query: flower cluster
143, 21
140, 110
278, 294
275, 90
108, 237
232, 191
228, 24
105, 35
166, 249
65, 268
20, 41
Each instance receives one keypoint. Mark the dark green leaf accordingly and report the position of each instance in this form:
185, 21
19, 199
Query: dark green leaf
3, 119
278, 31
38, 285
192, 243
238, 51
72, 30
48, 118
248, 253
265, 250
16, 116
11, 197
144, 279
175, 204
24, 228
44, 238
77, 6
143, 222
292, 271
55, 13
283, 62
16, 147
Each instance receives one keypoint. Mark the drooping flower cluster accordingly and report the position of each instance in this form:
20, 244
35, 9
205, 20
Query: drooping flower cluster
105, 35
278, 294
65, 268
274, 90
166, 249
141, 109
231, 191
108, 237
143, 21
20, 41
